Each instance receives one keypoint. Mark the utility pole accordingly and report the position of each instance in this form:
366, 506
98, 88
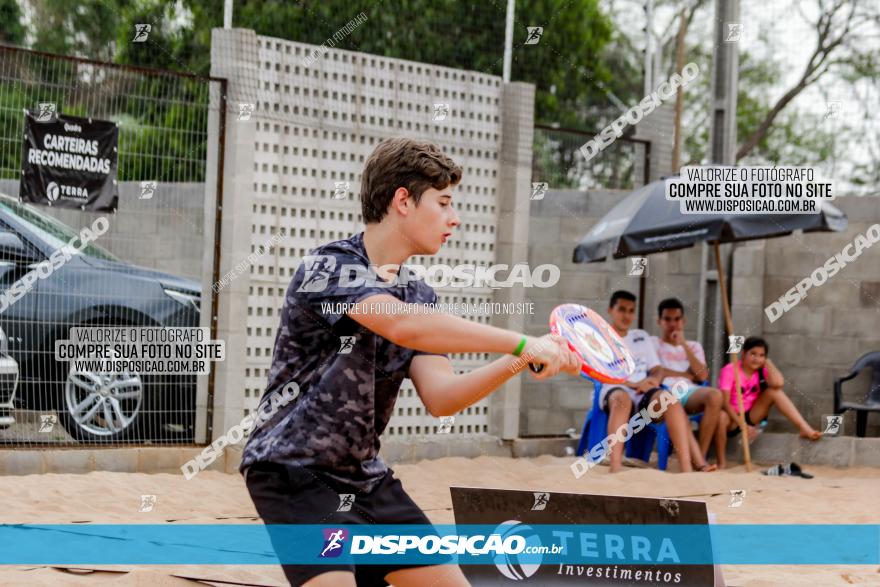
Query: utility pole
227, 14
722, 141
649, 47
508, 41
722, 145
679, 95
725, 70
648, 89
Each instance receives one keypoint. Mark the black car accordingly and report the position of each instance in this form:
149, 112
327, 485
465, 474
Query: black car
8, 383
93, 288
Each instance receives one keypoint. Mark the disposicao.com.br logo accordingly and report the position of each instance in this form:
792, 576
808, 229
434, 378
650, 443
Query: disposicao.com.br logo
503, 544
334, 542
321, 272
432, 544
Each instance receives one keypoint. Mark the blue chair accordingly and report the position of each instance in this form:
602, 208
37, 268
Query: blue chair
595, 425
641, 445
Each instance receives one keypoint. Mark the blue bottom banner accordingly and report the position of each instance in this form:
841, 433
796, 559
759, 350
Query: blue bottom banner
254, 544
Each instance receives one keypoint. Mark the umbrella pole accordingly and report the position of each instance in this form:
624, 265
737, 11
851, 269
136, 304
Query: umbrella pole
729, 321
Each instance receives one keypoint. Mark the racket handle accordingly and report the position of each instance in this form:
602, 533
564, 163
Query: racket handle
536, 368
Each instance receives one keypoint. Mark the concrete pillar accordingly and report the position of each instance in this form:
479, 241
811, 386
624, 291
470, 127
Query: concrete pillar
725, 77
657, 128
512, 236
234, 57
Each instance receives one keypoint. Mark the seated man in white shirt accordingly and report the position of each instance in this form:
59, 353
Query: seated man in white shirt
643, 389
684, 362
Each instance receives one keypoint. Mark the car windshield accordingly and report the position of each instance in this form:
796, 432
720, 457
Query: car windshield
55, 233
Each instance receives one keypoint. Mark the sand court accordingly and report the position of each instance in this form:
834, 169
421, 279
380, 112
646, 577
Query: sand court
838, 496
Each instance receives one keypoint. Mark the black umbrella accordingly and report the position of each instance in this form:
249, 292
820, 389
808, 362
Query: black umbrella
646, 222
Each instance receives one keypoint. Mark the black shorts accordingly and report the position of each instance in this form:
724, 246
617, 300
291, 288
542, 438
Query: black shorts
736, 431
643, 399
647, 397
296, 495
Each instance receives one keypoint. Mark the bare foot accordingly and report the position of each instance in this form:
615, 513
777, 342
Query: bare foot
615, 468
811, 434
707, 468
721, 465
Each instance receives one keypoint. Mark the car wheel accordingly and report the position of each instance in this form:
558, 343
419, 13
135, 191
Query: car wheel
102, 406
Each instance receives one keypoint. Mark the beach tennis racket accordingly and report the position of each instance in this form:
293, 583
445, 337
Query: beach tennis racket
604, 356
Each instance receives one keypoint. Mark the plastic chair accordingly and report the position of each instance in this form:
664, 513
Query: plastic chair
641, 445
595, 425
871, 402
664, 443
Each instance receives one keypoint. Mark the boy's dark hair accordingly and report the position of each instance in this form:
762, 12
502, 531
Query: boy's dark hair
401, 162
621, 294
670, 304
755, 341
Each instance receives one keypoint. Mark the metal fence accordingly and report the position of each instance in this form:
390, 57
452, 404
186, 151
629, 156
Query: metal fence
557, 160
145, 270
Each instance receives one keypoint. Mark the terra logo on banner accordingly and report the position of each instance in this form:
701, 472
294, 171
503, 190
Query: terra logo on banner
69, 162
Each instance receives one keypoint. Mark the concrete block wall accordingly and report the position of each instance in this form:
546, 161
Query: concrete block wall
820, 338
313, 125
556, 224
812, 344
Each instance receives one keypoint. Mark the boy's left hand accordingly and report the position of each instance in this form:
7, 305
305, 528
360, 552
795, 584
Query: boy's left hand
556, 357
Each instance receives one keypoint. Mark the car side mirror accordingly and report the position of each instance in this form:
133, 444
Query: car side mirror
12, 248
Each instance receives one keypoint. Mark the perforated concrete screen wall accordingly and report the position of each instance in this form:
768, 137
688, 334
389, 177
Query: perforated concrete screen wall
315, 126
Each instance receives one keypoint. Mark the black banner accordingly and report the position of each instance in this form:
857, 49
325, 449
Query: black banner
69, 162
518, 509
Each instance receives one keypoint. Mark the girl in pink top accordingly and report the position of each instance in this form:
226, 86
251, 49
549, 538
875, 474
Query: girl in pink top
761, 383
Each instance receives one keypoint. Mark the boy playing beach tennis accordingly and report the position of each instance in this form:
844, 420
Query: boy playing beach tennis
325, 444
643, 389
761, 383
684, 361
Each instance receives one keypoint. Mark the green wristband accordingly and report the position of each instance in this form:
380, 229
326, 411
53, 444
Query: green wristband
522, 345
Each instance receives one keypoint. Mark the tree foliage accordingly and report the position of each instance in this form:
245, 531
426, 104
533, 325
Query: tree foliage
571, 66
12, 31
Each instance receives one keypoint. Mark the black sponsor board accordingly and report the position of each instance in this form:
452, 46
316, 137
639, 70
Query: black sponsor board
519, 510
69, 162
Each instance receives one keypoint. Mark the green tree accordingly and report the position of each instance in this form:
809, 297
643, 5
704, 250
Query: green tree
12, 30
771, 127
796, 138
569, 66
85, 28
566, 66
